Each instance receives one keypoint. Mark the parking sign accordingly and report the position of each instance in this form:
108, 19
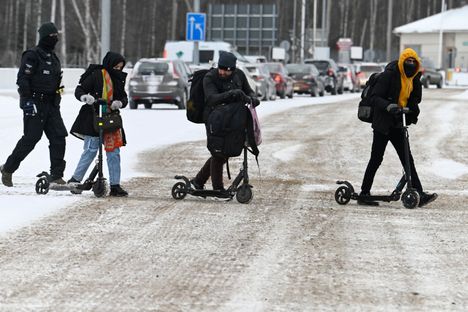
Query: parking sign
196, 25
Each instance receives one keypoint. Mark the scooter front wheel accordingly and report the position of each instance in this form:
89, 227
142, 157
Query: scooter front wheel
42, 186
179, 191
342, 195
244, 194
410, 199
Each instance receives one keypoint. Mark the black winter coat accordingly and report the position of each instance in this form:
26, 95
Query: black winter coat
217, 89
387, 91
92, 83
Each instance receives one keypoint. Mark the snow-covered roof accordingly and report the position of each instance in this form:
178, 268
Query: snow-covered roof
454, 20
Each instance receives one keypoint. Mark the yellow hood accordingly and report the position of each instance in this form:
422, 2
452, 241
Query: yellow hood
407, 82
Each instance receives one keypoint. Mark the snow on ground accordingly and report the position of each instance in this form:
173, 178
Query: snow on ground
145, 129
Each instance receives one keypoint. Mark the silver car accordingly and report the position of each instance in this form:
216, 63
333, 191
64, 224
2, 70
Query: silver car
159, 81
266, 86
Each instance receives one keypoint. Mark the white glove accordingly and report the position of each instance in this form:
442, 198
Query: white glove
116, 105
88, 99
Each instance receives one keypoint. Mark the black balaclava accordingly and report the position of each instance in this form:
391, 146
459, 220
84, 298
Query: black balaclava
109, 61
45, 41
410, 69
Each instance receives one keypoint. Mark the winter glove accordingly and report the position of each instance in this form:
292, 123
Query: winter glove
393, 109
237, 94
254, 100
88, 99
116, 105
29, 108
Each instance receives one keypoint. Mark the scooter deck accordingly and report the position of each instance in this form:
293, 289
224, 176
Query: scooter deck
209, 193
65, 187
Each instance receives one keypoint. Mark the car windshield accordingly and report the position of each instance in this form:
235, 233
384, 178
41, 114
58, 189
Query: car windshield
298, 68
153, 68
275, 68
321, 65
252, 69
371, 68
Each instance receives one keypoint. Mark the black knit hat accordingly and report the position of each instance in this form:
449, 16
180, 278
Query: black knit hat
47, 29
227, 60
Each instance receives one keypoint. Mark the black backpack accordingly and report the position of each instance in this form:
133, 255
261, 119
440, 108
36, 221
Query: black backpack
196, 101
365, 110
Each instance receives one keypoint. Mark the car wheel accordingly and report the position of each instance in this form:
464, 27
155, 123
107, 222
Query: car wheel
133, 104
439, 84
333, 91
182, 103
148, 105
322, 93
426, 83
282, 94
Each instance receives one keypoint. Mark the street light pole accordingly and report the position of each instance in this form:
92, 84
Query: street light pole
441, 44
303, 30
105, 26
196, 53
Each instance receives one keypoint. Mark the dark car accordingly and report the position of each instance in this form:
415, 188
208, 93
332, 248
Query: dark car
430, 75
333, 77
159, 81
306, 79
284, 83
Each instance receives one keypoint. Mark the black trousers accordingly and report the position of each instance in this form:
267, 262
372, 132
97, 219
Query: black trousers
49, 121
213, 168
379, 143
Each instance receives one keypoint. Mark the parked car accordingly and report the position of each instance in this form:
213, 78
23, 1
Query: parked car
159, 81
333, 78
250, 79
256, 58
266, 86
284, 83
351, 82
364, 70
306, 79
430, 75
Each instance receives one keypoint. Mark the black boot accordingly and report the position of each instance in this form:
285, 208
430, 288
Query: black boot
366, 202
6, 177
117, 191
426, 198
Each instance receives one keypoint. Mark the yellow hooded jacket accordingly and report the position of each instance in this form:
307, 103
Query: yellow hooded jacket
406, 82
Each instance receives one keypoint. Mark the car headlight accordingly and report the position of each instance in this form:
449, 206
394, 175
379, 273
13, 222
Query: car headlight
172, 83
133, 83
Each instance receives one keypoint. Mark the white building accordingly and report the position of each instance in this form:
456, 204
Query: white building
423, 37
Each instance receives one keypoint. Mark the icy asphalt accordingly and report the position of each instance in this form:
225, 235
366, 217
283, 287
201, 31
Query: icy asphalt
291, 249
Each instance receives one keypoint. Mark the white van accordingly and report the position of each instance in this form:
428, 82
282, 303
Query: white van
208, 51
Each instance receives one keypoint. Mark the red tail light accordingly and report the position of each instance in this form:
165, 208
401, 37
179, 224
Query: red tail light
361, 75
330, 72
278, 78
175, 74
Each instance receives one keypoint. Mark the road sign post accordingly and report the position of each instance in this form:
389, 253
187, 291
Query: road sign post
195, 31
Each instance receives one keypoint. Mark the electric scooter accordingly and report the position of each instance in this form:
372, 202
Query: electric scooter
410, 197
95, 180
242, 191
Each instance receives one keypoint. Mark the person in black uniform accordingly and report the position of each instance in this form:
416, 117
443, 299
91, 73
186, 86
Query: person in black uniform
39, 79
223, 85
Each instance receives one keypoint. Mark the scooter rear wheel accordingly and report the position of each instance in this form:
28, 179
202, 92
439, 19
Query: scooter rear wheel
179, 191
410, 199
100, 188
42, 186
244, 194
342, 195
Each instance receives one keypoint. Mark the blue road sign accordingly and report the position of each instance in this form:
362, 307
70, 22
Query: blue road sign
196, 26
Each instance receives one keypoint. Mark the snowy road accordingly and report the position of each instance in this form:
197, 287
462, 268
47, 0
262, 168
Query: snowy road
292, 249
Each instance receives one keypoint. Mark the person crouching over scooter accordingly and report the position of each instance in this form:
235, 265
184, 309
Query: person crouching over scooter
397, 87
106, 81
